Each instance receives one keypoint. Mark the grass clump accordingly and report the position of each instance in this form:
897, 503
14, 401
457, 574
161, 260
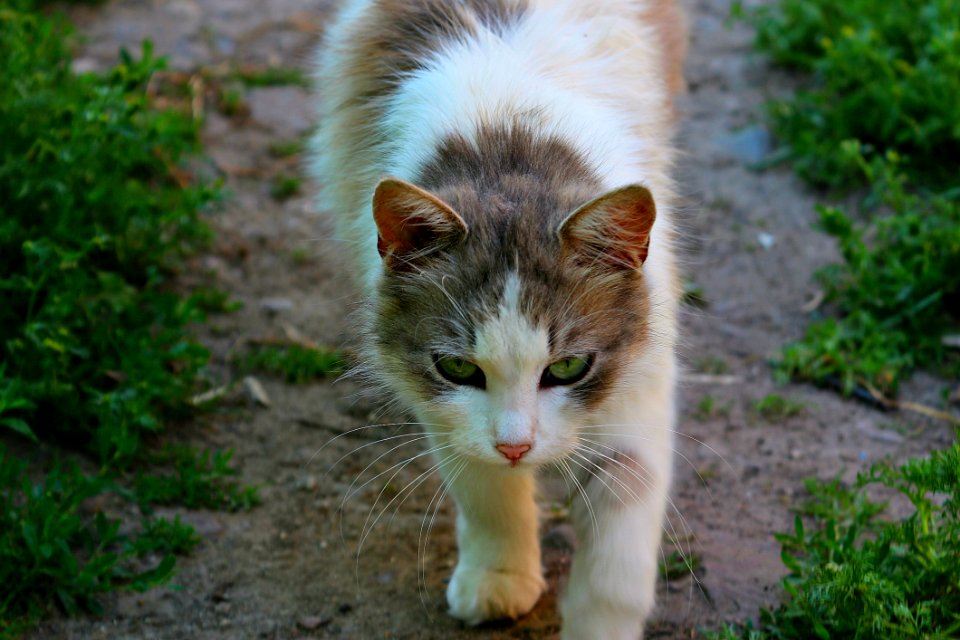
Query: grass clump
272, 76
96, 355
857, 573
897, 293
284, 187
884, 78
199, 480
54, 549
293, 362
774, 407
94, 223
880, 108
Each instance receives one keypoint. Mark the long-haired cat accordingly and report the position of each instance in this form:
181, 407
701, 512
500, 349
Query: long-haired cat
498, 169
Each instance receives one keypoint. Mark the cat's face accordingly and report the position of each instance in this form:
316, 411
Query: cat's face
507, 322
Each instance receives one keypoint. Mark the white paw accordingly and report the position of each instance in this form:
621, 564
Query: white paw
476, 595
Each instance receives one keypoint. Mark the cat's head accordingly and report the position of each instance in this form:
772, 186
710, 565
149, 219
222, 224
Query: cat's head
510, 317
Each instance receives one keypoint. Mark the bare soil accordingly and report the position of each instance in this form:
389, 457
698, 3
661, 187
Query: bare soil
293, 567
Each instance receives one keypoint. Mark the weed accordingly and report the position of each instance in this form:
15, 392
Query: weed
96, 352
854, 573
693, 294
272, 76
896, 293
884, 78
283, 187
712, 365
211, 300
199, 480
232, 101
881, 110
300, 255
94, 223
679, 565
709, 408
166, 536
294, 363
53, 550
286, 148
774, 408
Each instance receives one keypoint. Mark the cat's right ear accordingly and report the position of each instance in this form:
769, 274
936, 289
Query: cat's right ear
412, 222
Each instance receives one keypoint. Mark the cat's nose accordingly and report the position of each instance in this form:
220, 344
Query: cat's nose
513, 452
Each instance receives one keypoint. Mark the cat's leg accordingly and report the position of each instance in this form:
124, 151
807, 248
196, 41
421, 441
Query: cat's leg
498, 573
619, 525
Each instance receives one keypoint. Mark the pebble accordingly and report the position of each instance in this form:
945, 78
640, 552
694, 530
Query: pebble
750, 145
766, 240
310, 623
276, 305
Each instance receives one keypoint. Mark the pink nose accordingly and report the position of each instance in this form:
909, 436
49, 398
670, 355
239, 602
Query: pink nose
513, 452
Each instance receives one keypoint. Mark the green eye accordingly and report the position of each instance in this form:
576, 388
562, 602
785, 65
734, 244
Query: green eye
460, 371
566, 371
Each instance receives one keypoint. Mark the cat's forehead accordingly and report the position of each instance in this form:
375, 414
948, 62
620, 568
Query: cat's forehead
508, 342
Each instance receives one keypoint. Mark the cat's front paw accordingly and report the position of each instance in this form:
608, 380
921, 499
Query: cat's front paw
476, 595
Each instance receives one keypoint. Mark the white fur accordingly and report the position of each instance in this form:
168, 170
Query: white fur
589, 73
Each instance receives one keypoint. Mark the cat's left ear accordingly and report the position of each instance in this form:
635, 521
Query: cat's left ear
412, 222
614, 228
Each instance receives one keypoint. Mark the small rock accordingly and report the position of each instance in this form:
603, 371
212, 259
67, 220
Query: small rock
84, 65
750, 145
310, 623
276, 305
385, 578
310, 484
256, 391
766, 240
867, 428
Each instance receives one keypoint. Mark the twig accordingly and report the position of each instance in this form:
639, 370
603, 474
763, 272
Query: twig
906, 405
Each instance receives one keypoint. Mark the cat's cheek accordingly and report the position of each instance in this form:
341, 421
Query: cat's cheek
559, 425
461, 417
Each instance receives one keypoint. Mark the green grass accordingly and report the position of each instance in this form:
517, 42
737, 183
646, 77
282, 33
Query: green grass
284, 187
272, 77
775, 408
709, 407
53, 550
880, 111
294, 363
96, 353
883, 77
895, 295
287, 148
857, 573
197, 480
678, 565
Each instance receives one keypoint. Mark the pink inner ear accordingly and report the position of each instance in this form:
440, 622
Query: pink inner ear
411, 220
403, 236
616, 226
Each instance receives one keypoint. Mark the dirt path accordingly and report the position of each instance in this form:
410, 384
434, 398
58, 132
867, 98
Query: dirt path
290, 567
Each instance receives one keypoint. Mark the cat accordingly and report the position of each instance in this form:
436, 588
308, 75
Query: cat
498, 171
